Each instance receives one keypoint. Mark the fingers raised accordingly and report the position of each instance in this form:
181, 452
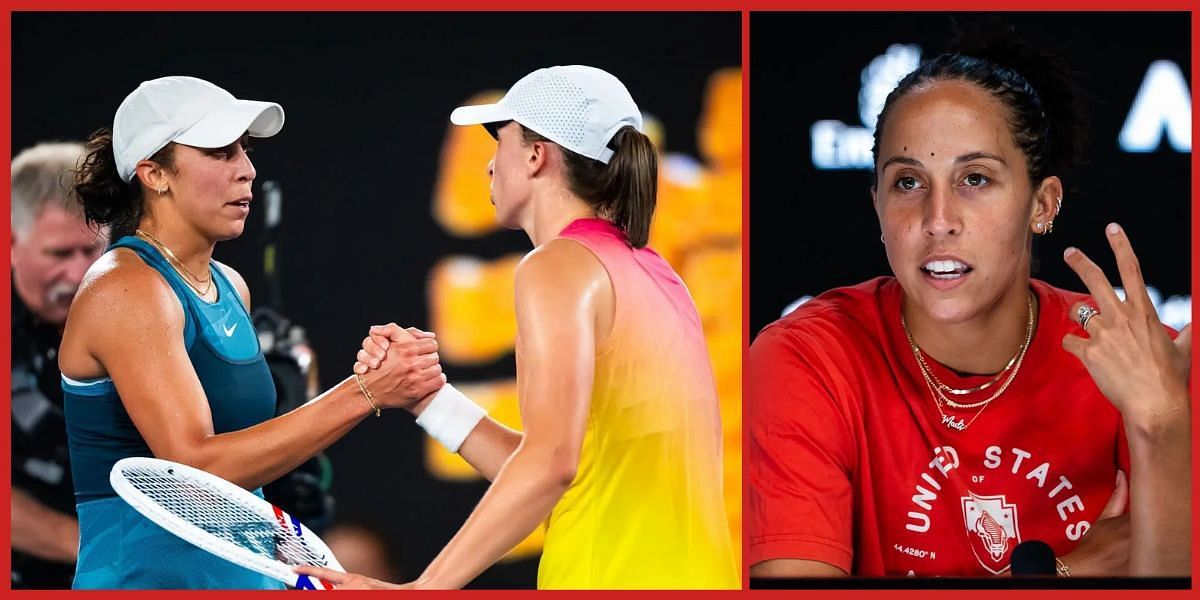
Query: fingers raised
1092, 277
1128, 266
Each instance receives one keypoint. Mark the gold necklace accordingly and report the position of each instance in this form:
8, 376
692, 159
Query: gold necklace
940, 398
178, 265
942, 387
979, 388
1016, 367
948, 420
935, 383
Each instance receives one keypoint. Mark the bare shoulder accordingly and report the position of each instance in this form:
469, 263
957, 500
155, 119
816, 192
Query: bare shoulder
119, 296
120, 278
239, 283
560, 263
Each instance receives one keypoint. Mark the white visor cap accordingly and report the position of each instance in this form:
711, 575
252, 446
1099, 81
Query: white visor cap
188, 111
579, 108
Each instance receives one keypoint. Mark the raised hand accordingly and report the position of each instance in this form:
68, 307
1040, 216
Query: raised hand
1127, 351
405, 370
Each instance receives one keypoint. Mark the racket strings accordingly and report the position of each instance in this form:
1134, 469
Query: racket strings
224, 518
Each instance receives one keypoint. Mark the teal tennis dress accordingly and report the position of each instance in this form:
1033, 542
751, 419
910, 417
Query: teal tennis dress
119, 548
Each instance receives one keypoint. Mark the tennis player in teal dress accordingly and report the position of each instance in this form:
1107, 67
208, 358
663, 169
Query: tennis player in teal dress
118, 547
160, 357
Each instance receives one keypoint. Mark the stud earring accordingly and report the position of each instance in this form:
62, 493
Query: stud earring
1040, 226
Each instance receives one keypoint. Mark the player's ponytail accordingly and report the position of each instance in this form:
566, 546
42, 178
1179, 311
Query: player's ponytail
624, 190
106, 198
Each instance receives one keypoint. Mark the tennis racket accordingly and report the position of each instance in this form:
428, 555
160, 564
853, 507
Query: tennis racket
223, 519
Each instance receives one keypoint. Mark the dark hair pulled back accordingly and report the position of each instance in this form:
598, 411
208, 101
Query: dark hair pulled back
106, 198
1046, 104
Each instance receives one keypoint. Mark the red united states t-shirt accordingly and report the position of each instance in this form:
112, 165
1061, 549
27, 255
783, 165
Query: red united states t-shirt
849, 462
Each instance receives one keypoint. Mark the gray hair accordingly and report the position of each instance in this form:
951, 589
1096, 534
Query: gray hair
40, 175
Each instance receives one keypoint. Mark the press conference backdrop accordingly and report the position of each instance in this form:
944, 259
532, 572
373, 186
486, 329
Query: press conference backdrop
385, 205
820, 79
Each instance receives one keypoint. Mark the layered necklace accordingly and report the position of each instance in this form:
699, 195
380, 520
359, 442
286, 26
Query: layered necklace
188, 277
940, 389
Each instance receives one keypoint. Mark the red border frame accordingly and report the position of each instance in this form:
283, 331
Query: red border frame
742, 6
745, 277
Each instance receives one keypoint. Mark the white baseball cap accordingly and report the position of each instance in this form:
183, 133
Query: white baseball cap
188, 111
579, 108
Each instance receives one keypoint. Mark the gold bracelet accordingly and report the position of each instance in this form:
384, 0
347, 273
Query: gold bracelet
362, 385
1063, 569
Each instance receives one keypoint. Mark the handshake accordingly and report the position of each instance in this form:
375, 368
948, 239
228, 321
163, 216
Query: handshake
400, 366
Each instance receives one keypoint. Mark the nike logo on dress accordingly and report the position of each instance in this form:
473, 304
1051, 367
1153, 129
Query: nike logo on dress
229, 331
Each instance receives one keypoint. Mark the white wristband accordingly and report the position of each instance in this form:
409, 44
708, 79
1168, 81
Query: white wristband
450, 417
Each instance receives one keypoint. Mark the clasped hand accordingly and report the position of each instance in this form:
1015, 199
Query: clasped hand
399, 366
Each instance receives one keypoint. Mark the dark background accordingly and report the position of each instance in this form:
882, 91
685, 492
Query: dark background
367, 98
812, 230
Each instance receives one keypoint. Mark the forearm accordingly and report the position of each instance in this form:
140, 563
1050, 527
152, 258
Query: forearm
42, 531
257, 455
489, 446
522, 496
1160, 497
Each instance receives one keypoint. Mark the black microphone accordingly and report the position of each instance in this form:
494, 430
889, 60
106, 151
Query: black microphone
1033, 558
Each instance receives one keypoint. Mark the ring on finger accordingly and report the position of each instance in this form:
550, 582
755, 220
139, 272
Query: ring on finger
1085, 314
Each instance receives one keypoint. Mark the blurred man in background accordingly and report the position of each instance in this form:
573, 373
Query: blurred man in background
51, 250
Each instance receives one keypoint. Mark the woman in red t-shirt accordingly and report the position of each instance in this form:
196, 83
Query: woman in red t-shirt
928, 423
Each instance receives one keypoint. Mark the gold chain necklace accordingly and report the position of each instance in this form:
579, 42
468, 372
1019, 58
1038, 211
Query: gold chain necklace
940, 398
979, 388
938, 385
942, 387
178, 265
948, 420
